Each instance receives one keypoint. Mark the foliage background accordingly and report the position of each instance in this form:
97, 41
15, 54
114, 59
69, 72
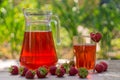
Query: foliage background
93, 15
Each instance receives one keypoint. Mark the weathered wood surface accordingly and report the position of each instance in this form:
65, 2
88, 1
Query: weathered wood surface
113, 73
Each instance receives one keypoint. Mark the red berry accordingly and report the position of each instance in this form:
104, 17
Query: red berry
13, 70
42, 72
105, 65
60, 72
96, 36
82, 72
23, 70
99, 68
65, 67
30, 74
73, 71
53, 70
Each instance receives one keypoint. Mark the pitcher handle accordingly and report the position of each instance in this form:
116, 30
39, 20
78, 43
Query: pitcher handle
55, 19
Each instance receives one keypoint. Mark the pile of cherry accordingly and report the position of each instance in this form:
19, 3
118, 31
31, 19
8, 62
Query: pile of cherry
66, 68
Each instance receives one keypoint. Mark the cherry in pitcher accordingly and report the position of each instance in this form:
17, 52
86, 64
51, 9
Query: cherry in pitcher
38, 47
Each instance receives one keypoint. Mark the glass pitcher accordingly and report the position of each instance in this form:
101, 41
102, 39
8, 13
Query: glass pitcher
38, 47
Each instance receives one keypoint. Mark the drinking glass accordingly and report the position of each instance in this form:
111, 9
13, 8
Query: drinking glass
85, 51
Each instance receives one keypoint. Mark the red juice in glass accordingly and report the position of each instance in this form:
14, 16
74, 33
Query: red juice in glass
38, 50
85, 55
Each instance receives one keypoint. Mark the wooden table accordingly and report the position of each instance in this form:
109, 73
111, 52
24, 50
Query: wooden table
113, 73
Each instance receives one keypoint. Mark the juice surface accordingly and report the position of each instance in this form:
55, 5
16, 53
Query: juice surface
38, 50
85, 55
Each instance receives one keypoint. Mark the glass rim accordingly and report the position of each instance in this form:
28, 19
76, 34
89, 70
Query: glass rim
82, 36
82, 39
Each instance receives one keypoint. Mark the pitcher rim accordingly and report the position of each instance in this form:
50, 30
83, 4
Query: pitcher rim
36, 11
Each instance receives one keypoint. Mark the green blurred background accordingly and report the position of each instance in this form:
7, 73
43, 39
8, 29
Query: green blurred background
76, 17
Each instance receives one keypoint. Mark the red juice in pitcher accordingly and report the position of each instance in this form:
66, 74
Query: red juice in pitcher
38, 50
85, 55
